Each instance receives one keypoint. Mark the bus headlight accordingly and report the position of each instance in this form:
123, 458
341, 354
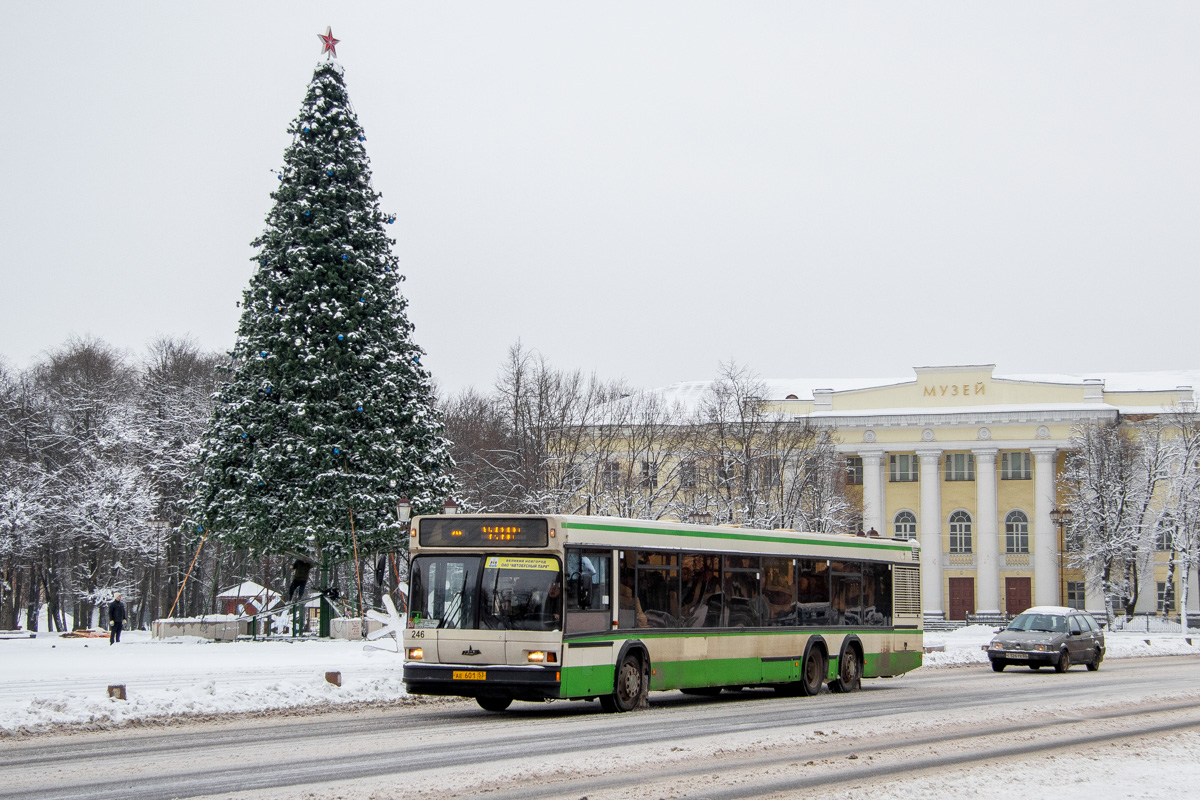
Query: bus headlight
537, 656
415, 654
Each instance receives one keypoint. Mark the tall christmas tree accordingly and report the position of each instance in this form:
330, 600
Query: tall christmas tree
328, 416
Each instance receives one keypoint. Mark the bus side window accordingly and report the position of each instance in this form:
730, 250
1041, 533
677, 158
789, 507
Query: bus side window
589, 590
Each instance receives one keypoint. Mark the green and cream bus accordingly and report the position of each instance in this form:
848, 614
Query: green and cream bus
524, 607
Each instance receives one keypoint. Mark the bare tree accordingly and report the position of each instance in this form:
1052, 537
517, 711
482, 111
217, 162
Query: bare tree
764, 468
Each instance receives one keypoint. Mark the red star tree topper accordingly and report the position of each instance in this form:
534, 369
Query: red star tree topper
328, 43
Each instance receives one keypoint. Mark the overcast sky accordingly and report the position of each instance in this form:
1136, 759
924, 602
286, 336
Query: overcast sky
639, 189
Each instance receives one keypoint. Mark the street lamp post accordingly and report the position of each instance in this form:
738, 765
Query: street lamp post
1061, 517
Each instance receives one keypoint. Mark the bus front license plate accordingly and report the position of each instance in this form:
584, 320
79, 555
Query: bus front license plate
469, 676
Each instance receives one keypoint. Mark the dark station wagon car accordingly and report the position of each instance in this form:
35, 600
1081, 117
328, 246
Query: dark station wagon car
1049, 636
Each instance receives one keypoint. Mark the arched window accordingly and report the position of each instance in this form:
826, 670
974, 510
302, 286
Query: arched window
960, 532
1016, 532
906, 525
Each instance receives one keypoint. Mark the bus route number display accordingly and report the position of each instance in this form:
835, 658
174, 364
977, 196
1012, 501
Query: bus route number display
442, 532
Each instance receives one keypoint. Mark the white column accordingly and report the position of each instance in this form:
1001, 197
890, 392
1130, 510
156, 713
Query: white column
872, 491
1093, 594
987, 565
930, 526
1046, 591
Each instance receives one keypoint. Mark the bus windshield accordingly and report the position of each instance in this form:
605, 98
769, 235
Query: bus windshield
512, 593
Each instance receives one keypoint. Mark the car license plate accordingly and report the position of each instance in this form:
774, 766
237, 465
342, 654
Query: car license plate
1016, 655
468, 675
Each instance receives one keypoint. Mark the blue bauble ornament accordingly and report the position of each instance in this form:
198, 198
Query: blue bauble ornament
360, 408
329, 172
336, 451
263, 354
344, 256
339, 337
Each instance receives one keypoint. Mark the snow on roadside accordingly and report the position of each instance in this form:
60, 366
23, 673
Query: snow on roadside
965, 645
53, 683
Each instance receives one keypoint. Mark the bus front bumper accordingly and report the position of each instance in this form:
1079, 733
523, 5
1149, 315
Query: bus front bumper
456, 680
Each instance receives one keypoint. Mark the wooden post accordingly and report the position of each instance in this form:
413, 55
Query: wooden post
332, 677
117, 691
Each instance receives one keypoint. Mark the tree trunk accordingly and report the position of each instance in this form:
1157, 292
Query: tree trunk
1183, 602
32, 604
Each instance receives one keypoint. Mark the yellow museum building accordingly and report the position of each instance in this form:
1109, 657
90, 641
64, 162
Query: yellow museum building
967, 462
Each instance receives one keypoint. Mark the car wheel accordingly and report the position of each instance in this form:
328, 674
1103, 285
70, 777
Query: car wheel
1094, 664
998, 664
1064, 662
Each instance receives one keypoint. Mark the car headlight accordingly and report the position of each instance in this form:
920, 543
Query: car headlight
997, 646
1041, 648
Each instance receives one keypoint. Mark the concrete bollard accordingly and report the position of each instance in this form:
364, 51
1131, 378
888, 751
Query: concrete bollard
334, 677
117, 691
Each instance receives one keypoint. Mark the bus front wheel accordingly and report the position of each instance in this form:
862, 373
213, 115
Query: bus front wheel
849, 672
494, 703
632, 684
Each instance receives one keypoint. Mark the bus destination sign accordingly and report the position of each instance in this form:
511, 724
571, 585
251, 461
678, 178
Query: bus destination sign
482, 532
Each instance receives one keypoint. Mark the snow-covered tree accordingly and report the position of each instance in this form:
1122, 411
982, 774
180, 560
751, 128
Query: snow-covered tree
1111, 477
327, 414
1182, 506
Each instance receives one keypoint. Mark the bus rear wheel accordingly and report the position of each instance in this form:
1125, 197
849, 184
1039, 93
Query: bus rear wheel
849, 672
631, 686
813, 673
494, 703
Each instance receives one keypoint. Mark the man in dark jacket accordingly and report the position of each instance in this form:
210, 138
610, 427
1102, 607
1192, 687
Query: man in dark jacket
116, 619
300, 570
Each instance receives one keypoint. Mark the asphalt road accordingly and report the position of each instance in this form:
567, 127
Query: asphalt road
748, 744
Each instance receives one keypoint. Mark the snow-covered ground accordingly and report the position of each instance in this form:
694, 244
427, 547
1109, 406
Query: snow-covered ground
51, 682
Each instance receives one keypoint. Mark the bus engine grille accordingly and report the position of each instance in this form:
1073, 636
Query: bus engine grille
907, 587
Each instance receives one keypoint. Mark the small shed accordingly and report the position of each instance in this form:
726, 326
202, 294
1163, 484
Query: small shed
246, 598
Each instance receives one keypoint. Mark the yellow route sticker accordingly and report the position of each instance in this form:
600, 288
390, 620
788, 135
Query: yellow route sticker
521, 562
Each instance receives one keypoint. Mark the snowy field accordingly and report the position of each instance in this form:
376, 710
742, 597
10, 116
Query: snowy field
52, 682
